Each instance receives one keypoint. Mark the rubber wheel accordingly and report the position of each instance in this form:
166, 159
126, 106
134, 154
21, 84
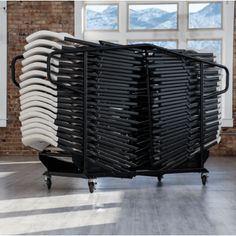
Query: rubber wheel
204, 179
91, 186
49, 183
159, 178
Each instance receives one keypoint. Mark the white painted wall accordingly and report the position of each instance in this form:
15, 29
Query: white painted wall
3, 64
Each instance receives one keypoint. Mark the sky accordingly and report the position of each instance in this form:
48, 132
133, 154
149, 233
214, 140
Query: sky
97, 8
165, 7
193, 7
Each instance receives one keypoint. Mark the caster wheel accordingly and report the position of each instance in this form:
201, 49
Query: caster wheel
91, 186
48, 182
160, 177
204, 179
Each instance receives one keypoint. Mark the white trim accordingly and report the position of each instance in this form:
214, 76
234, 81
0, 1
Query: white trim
182, 35
78, 18
227, 50
3, 64
227, 122
3, 122
19, 162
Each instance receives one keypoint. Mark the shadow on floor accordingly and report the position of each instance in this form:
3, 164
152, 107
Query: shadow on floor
102, 229
58, 210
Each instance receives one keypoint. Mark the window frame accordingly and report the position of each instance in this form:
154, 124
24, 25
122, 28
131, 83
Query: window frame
3, 64
182, 35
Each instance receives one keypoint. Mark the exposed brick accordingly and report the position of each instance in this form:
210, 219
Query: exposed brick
24, 18
227, 146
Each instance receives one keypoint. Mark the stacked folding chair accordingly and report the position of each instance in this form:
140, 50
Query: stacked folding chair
51, 114
175, 86
119, 110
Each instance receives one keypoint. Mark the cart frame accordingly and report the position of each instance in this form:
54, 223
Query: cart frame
145, 47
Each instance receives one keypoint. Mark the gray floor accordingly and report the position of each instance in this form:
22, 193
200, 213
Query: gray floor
119, 206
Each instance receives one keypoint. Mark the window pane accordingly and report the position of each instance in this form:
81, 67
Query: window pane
207, 46
164, 44
205, 15
148, 17
101, 17
106, 40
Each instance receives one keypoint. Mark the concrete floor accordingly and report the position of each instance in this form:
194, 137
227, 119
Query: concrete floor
119, 206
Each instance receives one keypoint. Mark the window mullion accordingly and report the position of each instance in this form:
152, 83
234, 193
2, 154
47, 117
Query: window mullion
79, 19
122, 21
183, 24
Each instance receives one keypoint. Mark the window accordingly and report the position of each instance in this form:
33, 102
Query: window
151, 17
3, 64
101, 17
205, 15
199, 25
207, 45
165, 43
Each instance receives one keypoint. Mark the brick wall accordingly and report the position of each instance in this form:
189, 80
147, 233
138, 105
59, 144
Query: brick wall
227, 146
27, 17
23, 19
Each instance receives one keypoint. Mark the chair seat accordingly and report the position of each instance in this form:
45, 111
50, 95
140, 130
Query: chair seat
41, 88
37, 51
38, 95
36, 104
45, 34
36, 130
37, 81
38, 66
34, 112
39, 123
40, 99
38, 58
38, 141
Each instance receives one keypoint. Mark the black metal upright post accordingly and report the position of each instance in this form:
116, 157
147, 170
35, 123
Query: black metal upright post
85, 118
149, 106
202, 116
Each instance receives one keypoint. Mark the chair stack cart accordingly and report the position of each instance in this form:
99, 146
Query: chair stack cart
108, 110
